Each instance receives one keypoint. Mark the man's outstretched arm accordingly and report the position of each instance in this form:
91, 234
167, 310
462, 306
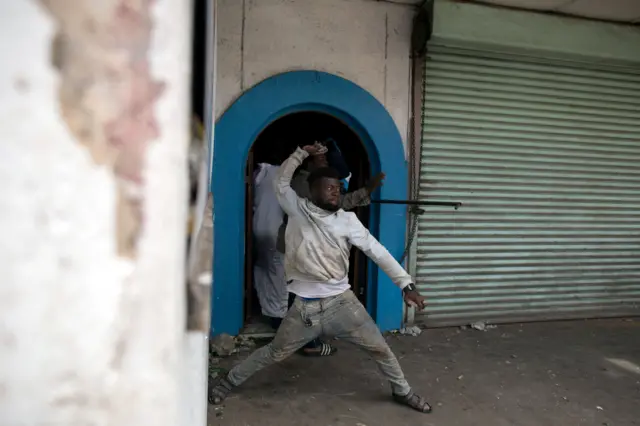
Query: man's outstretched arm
360, 237
362, 197
354, 199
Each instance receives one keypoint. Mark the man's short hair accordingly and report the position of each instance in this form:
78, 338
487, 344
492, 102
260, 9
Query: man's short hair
322, 172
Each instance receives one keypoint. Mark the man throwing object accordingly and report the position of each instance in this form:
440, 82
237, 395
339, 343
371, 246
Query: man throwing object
319, 238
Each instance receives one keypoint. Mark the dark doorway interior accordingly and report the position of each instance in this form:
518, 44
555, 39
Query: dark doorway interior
199, 58
273, 146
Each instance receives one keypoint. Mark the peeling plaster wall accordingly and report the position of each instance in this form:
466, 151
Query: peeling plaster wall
365, 41
89, 334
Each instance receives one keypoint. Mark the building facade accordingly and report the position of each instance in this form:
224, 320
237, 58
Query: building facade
530, 120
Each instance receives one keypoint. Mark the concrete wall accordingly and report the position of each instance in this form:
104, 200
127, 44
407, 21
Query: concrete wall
365, 41
94, 106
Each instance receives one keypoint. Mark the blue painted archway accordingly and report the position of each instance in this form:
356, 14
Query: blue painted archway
236, 131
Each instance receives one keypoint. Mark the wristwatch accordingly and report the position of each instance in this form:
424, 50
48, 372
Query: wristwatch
410, 287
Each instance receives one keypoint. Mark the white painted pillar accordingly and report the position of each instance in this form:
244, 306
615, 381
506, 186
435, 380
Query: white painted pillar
94, 126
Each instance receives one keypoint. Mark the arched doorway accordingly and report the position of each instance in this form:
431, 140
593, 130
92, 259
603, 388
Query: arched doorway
274, 144
236, 131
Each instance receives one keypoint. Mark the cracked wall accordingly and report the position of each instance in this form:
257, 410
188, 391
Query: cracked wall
94, 112
106, 94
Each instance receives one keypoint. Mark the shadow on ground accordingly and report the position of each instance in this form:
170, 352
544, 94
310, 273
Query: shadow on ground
547, 374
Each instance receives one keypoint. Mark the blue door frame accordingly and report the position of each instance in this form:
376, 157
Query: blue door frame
236, 131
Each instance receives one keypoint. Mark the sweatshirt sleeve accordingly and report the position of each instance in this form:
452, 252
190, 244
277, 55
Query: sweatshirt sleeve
286, 196
360, 237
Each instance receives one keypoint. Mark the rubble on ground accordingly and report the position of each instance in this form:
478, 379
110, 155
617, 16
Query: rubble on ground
481, 326
222, 345
409, 331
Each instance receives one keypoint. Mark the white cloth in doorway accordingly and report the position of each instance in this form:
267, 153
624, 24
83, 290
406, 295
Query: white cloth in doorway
268, 266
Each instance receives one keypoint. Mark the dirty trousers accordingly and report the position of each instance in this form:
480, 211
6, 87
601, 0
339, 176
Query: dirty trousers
341, 316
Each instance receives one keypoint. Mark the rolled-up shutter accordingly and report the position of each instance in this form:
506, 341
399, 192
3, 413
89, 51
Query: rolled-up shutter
545, 157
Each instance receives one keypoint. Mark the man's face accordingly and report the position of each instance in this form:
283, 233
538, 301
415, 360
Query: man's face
317, 162
326, 194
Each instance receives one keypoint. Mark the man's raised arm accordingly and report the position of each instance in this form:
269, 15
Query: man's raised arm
282, 183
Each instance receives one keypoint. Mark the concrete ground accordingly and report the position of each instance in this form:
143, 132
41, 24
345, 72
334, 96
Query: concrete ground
547, 374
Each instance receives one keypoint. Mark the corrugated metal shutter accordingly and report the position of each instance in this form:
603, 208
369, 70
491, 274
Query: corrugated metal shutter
545, 157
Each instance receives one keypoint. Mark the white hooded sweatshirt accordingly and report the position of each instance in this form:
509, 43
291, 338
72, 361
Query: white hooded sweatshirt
318, 242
